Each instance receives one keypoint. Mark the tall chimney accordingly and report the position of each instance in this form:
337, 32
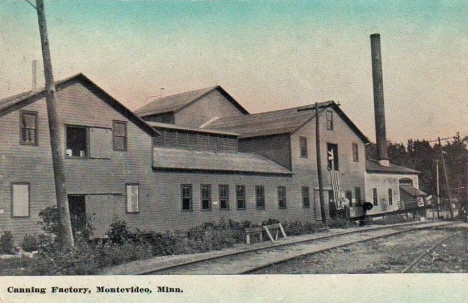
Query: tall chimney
34, 75
379, 108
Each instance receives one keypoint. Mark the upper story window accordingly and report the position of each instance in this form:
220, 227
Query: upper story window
303, 147
260, 196
28, 125
355, 152
240, 195
329, 119
224, 197
281, 197
120, 135
77, 141
205, 197
332, 157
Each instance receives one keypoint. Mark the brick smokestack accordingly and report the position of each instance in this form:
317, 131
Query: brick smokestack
379, 108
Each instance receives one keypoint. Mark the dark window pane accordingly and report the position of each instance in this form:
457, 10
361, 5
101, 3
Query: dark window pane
240, 193
260, 197
206, 197
305, 197
76, 142
303, 147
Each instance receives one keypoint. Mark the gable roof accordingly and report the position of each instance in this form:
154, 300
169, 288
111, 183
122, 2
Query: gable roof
177, 102
160, 125
373, 166
191, 160
279, 122
15, 102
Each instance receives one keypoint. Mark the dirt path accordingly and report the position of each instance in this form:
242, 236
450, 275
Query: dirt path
386, 255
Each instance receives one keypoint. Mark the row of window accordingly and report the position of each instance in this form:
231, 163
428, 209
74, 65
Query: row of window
375, 198
186, 191
332, 150
77, 137
195, 141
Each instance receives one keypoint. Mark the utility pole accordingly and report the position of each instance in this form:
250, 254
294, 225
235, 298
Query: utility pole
57, 153
445, 179
438, 190
319, 164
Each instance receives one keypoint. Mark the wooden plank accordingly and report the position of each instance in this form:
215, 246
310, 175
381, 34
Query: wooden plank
269, 234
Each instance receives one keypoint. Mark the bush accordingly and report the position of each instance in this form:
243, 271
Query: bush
30, 243
119, 233
340, 222
7, 245
50, 221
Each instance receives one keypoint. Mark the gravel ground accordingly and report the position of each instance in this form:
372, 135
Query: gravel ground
386, 255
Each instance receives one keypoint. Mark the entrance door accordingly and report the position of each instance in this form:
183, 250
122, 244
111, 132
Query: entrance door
77, 205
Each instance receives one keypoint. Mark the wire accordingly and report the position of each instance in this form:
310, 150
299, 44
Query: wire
31, 4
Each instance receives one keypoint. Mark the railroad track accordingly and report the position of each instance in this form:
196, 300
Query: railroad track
418, 260
250, 260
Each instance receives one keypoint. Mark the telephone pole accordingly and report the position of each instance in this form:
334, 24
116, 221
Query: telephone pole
66, 236
319, 164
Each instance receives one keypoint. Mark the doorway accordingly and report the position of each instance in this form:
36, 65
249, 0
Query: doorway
77, 206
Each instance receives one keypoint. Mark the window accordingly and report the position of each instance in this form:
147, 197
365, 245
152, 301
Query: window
390, 196
374, 196
332, 157
355, 152
120, 135
186, 194
305, 197
303, 147
349, 196
77, 141
206, 197
406, 181
20, 200
329, 120
260, 197
28, 125
281, 197
240, 196
357, 196
224, 197
133, 198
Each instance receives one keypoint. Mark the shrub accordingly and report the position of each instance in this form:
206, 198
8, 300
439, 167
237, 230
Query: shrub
339, 222
119, 233
50, 221
30, 243
7, 245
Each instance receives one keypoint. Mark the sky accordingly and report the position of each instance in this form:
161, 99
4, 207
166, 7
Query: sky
268, 54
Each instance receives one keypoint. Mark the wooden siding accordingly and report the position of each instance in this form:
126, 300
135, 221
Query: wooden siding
382, 182
276, 148
171, 217
25, 163
212, 105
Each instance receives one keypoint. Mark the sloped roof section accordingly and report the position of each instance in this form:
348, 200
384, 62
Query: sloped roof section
412, 191
177, 102
17, 101
372, 166
189, 160
279, 121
